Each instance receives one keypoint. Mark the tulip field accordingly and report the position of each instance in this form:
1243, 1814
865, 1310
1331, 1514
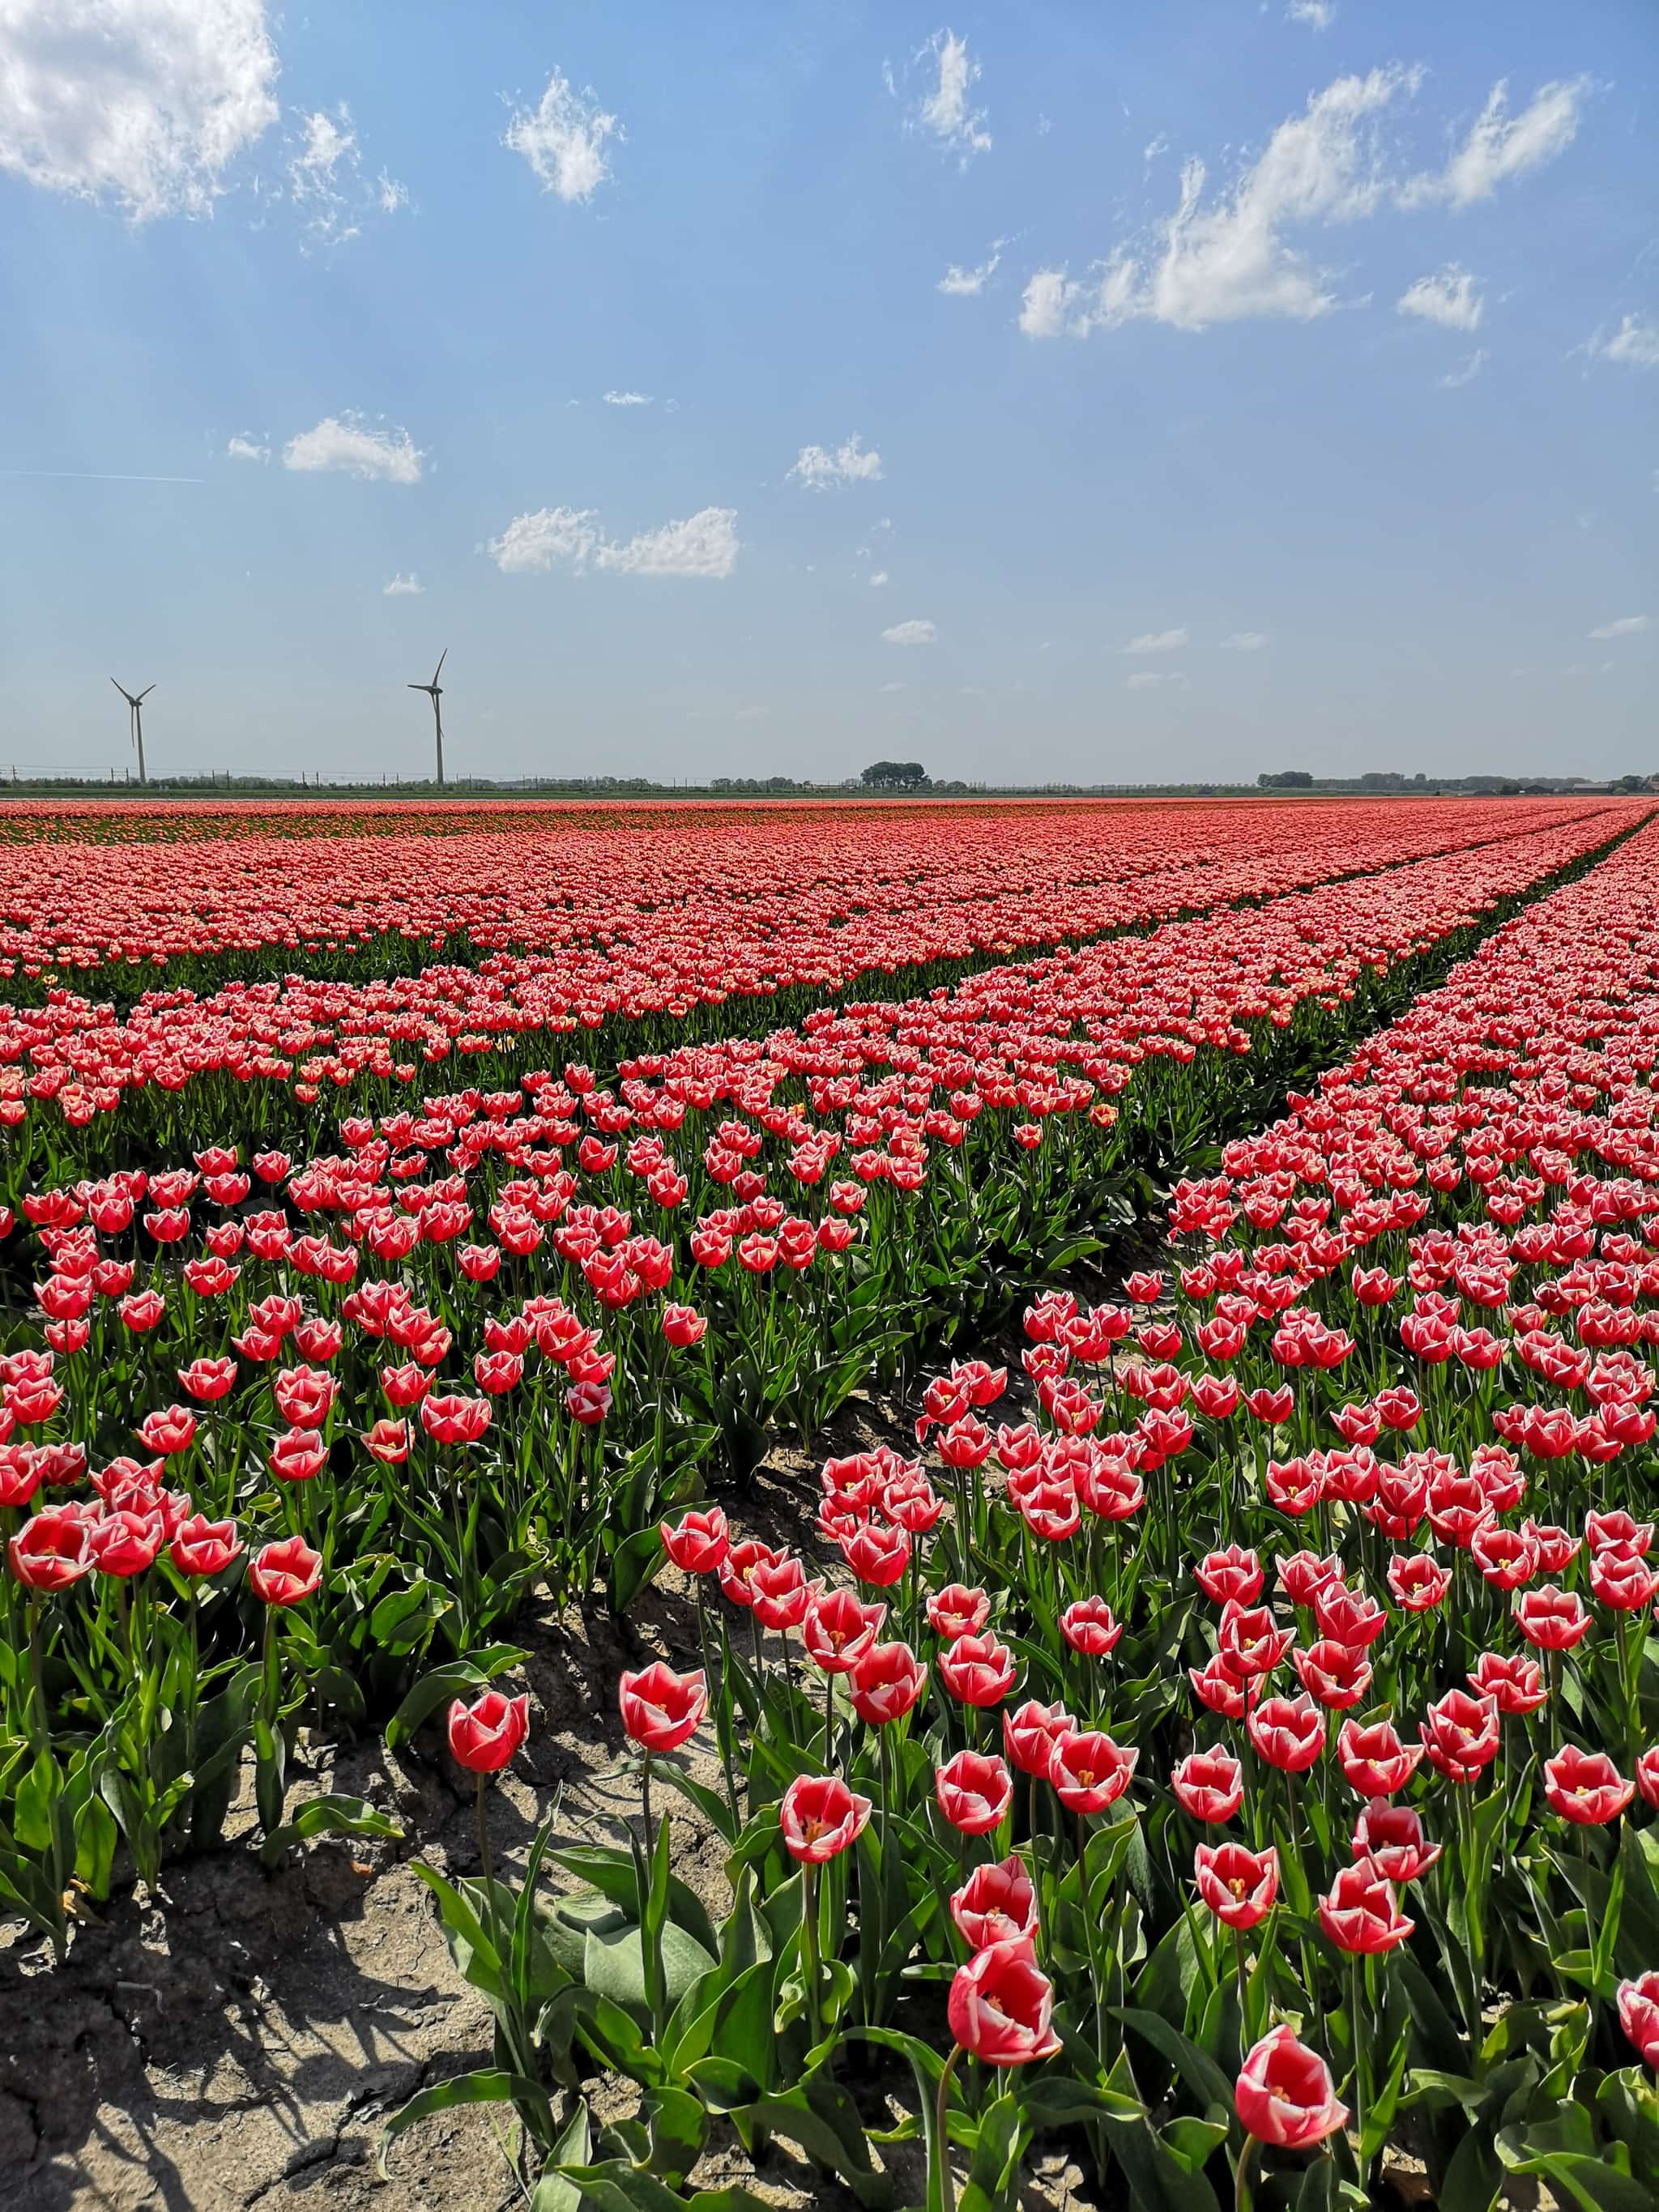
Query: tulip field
1079, 1376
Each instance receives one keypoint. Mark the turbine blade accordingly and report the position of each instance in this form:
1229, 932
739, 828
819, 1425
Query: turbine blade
439, 670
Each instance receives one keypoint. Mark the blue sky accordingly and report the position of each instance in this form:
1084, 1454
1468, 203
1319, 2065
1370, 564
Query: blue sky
1295, 400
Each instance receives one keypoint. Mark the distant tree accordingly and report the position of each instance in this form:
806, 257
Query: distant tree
1287, 778
884, 774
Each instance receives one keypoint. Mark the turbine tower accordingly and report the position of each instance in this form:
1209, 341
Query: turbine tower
136, 721
434, 692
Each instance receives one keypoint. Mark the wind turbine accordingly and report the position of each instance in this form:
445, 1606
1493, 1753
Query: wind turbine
136, 721
434, 692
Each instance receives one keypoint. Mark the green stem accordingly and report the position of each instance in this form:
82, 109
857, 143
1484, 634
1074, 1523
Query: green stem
947, 2193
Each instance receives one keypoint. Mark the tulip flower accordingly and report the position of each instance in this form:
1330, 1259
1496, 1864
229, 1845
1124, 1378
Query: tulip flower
1639, 2015
955, 1612
1391, 1837
1585, 1787
1029, 1734
1089, 1628
484, 1735
821, 1817
661, 1708
1374, 1761
201, 1547
1209, 1785
1553, 1619
1232, 1575
1284, 2095
1001, 2005
978, 1670
1515, 1685
284, 1573
886, 1683
1089, 1772
974, 1791
996, 1904
1239, 1885
1289, 1732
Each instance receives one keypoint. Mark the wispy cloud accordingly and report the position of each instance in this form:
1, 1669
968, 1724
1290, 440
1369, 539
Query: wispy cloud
1448, 298
944, 111
326, 180
911, 632
1227, 258
1625, 626
704, 544
966, 284
346, 443
1317, 15
1148, 679
564, 138
244, 448
406, 585
1501, 147
1244, 640
627, 398
820, 468
1157, 640
1466, 372
1635, 343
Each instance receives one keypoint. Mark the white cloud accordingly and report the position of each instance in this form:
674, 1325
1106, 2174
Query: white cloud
1317, 15
944, 111
911, 632
1045, 303
1635, 343
1500, 147
849, 463
1147, 680
878, 579
966, 284
142, 103
246, 449
1455, 379
563, 140
404, 586
704, 544
1157, 641
1448, 298
892, 687
347, 443
326, 180
627, 398
1627, 626
1244, 640
1230, 259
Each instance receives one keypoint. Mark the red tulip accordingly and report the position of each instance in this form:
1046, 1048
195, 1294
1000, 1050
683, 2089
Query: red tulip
1391, 1837
1232, 1575
820, 1816
1209, 1785
1001, 2005
201, 1546
877, 1555
1460, 1734
1029, 1736
484, 1735
1338, 1674
1374, 1760
781, 1592
1553, 1619
1639, 2015
1289, 1732
1088, 1770
996, 1904
837, 1631
1514, 1685
1239, 1885
1285, 2094
1360, 1913
1089, 1628
1647, 1776
1417, 1581
125, 1543
977, 1669
1585, 1787
956, 1611
886, 1682
974, 1791
52, 1549
283, 1573
698, 1542
660, 1708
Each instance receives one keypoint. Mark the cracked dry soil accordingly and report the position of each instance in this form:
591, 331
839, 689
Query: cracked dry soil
242, 2043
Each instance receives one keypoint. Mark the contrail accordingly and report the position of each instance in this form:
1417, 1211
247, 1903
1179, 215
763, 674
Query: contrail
99, 475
